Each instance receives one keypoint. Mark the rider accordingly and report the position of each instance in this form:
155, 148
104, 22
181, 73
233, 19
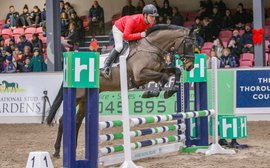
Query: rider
129, 28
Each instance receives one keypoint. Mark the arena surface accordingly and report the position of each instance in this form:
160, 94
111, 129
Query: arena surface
16, 141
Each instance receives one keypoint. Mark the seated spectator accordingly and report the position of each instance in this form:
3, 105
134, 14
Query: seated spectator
43, 15
73, 36
166, 10
227, 60
64, 24
25, 17
216, 17
206, 8
78, 22
96, 18
27, 52
209, 31
37, 63
227, 21
156, 5
209, 60
24, 42
69, 9
129, 9
235, 46
140, 6
11, 19
221, 7
12, 44
9, 66
2, 60
36, 42
35, 16
246, 40
62, 6
240, 16
20, 59
2, 43
196, 28
177, 18
218, 47
26, 65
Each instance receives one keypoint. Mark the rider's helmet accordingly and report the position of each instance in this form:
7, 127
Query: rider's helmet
150, 10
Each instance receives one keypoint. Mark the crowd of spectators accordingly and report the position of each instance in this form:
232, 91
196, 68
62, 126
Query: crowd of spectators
207, 23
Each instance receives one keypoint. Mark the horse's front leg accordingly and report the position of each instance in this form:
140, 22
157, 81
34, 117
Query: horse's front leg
147, 75
174, 88
80, 115
57, 144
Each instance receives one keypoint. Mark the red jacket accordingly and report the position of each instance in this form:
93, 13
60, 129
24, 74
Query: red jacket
132, 26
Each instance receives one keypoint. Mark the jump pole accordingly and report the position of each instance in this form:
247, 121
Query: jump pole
128, 163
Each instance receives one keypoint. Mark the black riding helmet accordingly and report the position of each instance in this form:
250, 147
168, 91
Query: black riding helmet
150, 10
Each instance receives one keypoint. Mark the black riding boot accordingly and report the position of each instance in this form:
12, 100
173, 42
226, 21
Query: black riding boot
108, 63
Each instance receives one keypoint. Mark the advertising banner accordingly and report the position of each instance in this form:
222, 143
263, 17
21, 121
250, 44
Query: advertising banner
253, 90
23, 95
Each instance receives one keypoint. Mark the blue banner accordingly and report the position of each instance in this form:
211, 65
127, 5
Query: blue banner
253, 88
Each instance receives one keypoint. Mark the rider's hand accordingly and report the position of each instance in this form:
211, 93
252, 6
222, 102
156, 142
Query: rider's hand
143, 34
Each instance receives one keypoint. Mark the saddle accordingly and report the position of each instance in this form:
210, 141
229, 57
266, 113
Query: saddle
124, 52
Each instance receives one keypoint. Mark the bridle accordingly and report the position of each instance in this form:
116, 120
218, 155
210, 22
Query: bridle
183, 57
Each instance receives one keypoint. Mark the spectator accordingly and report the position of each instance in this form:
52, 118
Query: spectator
140, 6
209, 60
227, 59
2, 44
62, 6
25, 17
218, 47
43, 15
209, 31
129, 9
27, 52
69, 9
73, 36
235, 46
196, 28
24, 42
11, 19
221, 7
64, 24
240, 16
227, 21
2, 60
177, 18
77, 21
246, 40
20, 59
96, 17
12, 44
9, 66
35, 16
157, 6
26, 65
216, 17
166, 10
36, 42
37, 63
206, 7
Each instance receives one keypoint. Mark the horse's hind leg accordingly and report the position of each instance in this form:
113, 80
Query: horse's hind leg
80, 115
57, 144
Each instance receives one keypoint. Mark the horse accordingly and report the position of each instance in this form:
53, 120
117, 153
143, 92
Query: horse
145, 63
13, 85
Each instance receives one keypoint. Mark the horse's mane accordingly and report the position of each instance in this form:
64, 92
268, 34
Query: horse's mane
164, 27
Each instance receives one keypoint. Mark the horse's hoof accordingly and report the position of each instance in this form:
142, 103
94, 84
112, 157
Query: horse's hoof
149, 94
169, 93
56, 155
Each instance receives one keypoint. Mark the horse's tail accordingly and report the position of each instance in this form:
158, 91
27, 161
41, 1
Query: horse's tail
56, 104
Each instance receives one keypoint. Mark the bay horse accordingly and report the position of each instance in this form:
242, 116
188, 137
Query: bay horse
145, 63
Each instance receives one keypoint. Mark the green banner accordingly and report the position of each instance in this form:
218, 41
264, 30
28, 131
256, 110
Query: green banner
81, 70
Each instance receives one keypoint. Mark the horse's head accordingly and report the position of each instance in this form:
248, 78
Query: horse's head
184, 46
